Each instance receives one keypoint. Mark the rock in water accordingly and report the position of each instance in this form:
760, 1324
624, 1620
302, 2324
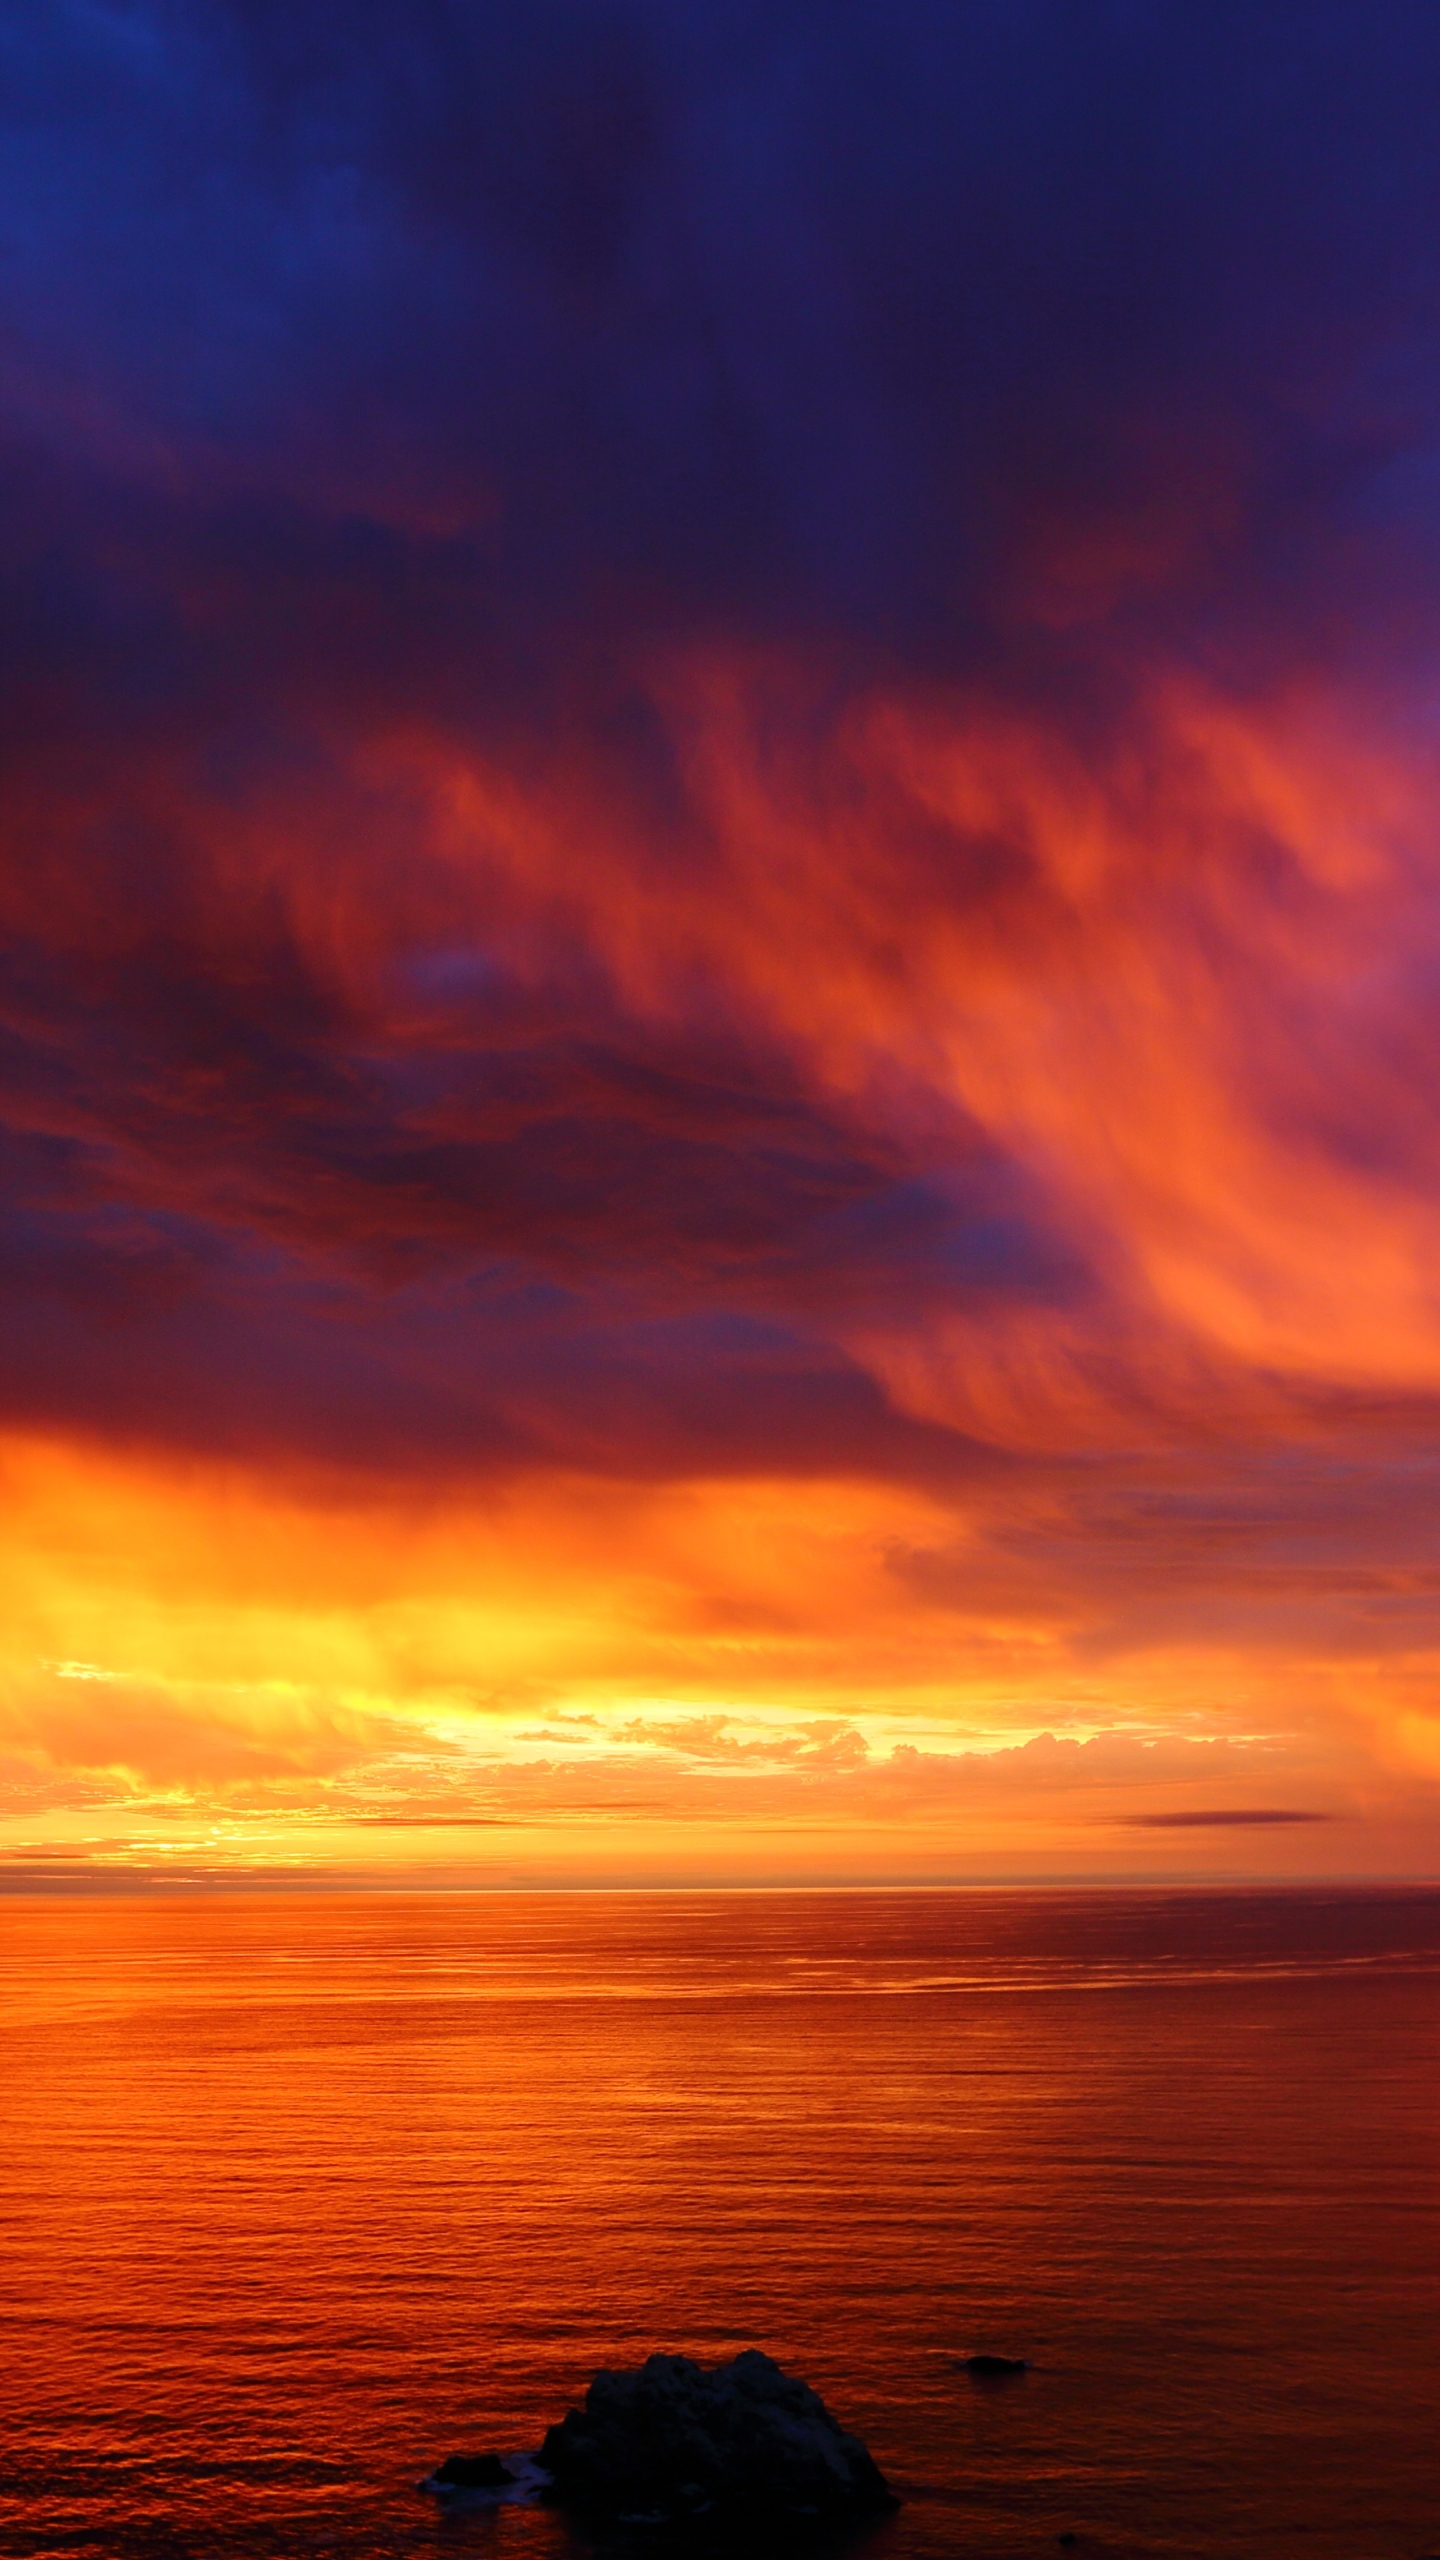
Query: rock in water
472, 2471
675, 2443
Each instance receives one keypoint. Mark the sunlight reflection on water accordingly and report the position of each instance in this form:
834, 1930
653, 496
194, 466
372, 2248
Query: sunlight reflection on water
303, 2193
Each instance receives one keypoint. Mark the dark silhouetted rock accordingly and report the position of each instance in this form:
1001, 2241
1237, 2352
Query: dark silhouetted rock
677, 2443
472, 2471
994, 2368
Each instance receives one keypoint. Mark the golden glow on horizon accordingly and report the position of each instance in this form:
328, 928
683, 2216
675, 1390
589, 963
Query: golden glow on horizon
530, 1686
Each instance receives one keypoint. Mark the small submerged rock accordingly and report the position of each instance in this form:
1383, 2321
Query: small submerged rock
703, 2449
473, 2471
994, 2368
488, 2479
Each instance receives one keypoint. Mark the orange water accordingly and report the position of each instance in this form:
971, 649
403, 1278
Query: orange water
302, 2193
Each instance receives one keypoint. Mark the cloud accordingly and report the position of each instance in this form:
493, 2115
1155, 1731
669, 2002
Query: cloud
151, 1734
718, 892
1222, 1817
819, 1742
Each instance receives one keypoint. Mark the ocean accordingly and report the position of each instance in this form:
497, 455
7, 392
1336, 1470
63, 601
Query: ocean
303, 2192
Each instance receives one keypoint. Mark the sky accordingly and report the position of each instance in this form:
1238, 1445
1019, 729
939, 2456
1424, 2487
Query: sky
719, 1057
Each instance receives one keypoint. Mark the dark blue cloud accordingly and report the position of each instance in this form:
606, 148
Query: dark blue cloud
833, 317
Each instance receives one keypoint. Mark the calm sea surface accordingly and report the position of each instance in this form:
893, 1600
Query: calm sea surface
300, 2194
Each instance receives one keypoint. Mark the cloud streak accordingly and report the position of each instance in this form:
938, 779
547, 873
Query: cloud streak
1223, 1818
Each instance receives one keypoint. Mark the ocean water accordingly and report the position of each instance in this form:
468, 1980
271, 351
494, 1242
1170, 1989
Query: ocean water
302, 2193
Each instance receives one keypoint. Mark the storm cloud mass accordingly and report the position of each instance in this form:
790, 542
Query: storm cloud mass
718, 1047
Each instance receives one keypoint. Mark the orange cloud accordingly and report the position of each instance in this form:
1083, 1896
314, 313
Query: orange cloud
1154, 975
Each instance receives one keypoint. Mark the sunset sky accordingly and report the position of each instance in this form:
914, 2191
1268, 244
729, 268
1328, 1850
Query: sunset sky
720, 1004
